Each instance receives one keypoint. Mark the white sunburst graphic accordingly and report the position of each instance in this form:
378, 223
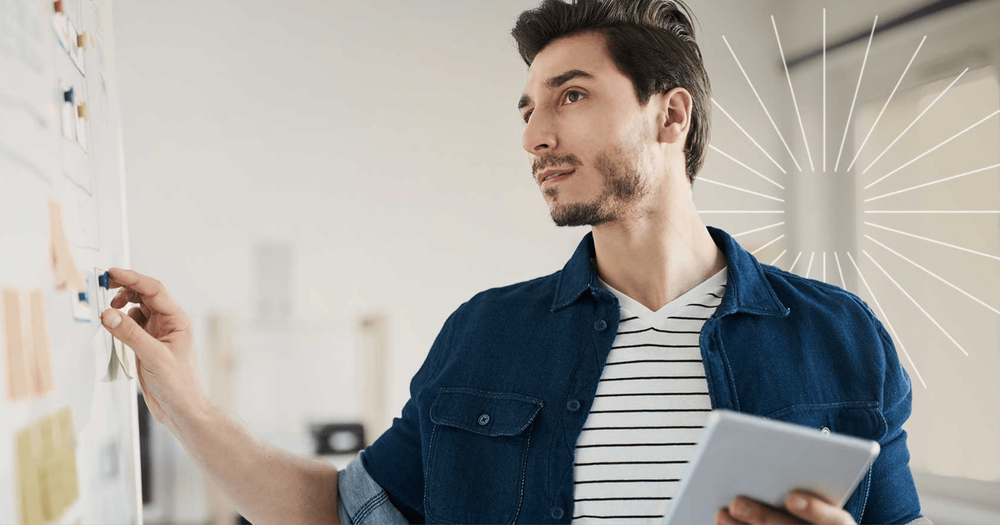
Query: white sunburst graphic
874, 236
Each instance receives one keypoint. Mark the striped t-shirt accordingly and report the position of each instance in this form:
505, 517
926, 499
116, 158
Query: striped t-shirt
651, 406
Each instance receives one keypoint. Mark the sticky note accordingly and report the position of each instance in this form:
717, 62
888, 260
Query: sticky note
47, 477
40, 344
128, 360
113, 365
62, 257
26, 346
14, 347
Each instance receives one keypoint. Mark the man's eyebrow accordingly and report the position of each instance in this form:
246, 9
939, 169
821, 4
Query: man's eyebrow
555, 82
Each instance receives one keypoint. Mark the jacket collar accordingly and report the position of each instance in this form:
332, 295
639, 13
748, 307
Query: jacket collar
747, 291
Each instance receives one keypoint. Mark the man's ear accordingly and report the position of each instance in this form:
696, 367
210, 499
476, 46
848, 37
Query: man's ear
675, 115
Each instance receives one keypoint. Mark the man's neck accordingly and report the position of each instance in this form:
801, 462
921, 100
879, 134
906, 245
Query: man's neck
656, 258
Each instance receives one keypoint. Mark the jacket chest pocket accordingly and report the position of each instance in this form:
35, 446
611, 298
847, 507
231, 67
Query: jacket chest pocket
478, 455
858, 419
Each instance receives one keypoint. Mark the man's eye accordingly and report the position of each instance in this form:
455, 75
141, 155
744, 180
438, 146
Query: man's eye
566, 97
570, 93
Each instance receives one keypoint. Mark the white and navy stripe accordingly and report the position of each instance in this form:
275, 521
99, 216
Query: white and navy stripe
651, 406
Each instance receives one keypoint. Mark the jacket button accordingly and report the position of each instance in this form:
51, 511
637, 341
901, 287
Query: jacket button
484, 419
825, 430
600, 325
557, 513
573, 405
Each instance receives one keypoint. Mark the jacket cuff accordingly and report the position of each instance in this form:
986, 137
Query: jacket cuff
362, 501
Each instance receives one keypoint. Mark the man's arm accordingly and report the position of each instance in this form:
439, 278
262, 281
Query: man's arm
892, 496
267, 484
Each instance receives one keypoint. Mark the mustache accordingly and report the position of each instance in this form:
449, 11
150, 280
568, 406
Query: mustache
554, 160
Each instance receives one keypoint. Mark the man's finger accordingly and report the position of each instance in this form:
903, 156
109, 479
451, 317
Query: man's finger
124, 297
756, 513
722, 517
152, 292
138, 316
125, 329
814, 509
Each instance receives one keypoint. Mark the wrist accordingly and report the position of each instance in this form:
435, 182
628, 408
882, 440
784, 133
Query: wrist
202, 415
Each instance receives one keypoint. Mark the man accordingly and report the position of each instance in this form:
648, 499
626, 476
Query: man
579, 396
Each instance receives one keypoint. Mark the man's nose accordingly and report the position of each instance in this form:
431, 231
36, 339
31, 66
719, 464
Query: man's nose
539, 135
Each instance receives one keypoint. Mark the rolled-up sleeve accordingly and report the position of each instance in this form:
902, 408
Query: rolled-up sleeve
362, 501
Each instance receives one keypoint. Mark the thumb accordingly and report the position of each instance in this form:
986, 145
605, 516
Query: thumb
123, 328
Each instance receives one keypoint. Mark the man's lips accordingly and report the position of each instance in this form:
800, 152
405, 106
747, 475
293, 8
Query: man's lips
554, 175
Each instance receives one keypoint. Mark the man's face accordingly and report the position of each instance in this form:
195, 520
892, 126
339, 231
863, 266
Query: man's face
584, 118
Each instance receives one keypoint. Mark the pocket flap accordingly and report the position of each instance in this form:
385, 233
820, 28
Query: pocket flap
857, 419
485, 413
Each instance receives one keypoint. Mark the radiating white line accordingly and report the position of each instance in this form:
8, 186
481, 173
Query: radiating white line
934, 275
737, 188
914, 121
824, 267
879, 117
935, 212
748, 232
768, 244
796, 261
778, 258
755, 172
914, 301
843, 283
824, 90
810, 267
924, 185
953, 137
761, 148
885, 318
766, 112
741, 211
792, 90
856, 89
994, 257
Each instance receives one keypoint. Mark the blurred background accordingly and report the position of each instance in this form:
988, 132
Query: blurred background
321, 183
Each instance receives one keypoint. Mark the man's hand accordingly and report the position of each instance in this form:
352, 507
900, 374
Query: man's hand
801, 507
159, 333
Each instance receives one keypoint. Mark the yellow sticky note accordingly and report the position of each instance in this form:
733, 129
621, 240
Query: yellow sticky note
27, 477
46, 468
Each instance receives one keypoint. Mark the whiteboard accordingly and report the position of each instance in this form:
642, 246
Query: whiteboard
69, 433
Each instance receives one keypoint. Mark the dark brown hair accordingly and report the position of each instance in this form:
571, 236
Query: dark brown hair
651, 41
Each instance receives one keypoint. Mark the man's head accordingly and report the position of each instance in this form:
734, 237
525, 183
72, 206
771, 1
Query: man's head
617, 89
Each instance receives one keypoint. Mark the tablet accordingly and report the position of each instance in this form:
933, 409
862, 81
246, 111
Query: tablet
764, 460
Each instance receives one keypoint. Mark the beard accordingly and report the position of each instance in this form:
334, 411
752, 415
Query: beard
623, 190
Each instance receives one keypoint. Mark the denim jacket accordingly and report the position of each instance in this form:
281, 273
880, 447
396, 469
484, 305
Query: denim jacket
489, 432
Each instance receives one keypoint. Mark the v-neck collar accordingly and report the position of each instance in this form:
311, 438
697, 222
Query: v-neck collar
694, 296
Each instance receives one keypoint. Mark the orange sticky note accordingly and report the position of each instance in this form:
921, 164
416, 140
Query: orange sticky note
17, 363
62, 257
40, 343
26, 346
